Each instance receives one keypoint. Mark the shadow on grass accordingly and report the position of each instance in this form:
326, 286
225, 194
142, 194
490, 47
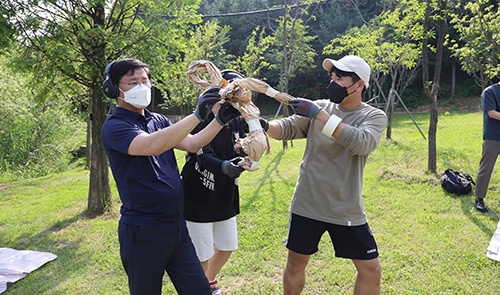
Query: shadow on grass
468, 209
266, 179
467, 203
70, 259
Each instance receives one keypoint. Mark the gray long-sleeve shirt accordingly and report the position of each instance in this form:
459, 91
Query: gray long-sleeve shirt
330, 183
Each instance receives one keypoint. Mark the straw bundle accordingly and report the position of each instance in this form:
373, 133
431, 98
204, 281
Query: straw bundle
257, 142
204, 66
262, 87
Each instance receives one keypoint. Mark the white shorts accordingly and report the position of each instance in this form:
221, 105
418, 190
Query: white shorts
206, 235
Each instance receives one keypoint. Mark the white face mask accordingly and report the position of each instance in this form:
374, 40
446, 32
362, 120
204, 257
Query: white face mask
139, 96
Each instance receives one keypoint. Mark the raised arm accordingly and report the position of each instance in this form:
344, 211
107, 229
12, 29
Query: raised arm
146, 144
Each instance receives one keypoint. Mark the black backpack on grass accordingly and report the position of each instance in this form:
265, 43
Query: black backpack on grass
459, 183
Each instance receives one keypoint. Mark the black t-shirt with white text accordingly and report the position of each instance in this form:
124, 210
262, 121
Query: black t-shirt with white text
209, 194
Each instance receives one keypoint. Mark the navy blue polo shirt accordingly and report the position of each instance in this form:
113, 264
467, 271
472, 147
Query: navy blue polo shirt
490, 100
150, 187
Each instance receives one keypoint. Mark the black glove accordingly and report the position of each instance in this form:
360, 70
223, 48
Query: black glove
304, 107
264, 123
205, 102
231, 168
226, 113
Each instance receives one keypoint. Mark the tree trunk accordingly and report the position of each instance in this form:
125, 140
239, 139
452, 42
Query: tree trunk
99, 190
431, 144
99, 198
88, 140
284, 65
388, 133
391, 103
432, 94
435, 88
431, 132
453, 78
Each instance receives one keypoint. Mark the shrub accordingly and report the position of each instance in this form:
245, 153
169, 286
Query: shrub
35, 137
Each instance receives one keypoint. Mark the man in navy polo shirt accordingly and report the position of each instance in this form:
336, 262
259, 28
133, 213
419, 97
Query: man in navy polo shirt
139, 144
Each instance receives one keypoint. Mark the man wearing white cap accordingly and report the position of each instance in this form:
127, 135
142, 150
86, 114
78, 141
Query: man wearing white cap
341, 132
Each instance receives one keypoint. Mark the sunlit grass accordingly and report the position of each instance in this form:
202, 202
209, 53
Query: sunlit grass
430, 241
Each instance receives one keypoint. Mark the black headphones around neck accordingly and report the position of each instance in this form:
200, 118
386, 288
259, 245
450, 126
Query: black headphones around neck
110, 89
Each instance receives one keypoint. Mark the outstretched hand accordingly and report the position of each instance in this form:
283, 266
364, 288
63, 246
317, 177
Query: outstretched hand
231, 168
304, 107
206, 101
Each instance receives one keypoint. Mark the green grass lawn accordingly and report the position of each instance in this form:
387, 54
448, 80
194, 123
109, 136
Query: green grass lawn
430, 241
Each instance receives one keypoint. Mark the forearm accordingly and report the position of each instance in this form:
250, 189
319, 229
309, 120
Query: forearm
210, 162
323, 118
493, 114
364, 138
162, 140
274, 130
192, 143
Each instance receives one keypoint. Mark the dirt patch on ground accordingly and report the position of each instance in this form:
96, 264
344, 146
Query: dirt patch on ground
3, 186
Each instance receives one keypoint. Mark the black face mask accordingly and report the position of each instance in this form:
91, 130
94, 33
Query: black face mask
337, 93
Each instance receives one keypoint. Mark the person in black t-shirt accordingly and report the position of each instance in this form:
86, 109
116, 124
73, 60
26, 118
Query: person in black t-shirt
211, 202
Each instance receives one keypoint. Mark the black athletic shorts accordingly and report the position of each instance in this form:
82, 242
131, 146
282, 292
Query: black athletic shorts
353, 242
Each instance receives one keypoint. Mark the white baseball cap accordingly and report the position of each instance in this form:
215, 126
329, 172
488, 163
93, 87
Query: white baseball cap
350, 63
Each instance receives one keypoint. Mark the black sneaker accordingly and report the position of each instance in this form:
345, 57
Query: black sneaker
480, 205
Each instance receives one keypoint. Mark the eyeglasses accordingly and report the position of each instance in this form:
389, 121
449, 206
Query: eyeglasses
135, 83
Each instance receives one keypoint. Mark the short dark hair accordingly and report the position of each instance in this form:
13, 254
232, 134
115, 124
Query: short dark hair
124, 66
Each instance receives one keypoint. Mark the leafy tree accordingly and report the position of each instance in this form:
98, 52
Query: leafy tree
292, 50
245, 16
242, 16
391, 44
80, 37
253, 60
206, 42
336, 17
6, 30
478, 26
325, 19
431, 88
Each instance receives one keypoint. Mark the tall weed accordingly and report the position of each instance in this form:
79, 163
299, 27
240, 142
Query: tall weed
36, 137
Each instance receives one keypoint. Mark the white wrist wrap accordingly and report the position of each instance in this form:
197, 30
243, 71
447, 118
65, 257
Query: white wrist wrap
254, 125
255, 165
331, 125
271, 92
